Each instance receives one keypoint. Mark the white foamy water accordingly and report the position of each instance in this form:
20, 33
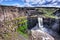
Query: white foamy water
39, 27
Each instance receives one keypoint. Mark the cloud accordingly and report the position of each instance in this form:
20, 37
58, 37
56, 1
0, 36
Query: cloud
17, 5
48, 0
35, 3
27, 1
38, 3
44, 3
28, 5
59, 0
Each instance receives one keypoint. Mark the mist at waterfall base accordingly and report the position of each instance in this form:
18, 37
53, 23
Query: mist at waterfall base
51, 26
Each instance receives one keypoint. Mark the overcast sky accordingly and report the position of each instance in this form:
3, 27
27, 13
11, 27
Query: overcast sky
31, 3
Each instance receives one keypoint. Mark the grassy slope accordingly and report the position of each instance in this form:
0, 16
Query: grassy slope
22, 29
47, 12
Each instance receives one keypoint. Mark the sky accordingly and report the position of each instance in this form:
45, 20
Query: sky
31, 3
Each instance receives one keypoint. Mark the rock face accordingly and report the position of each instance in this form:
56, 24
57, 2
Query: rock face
7, 14
40, 35
56, 26
53, 23
32, 18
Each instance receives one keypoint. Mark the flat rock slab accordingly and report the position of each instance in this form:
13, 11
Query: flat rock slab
40, 35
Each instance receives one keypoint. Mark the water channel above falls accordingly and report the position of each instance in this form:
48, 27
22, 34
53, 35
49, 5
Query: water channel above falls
52, 31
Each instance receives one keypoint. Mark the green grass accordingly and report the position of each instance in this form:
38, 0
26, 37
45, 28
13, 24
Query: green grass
47, 12
23, 34
23, 29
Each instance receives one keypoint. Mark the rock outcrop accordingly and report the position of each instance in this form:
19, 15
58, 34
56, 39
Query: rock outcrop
7, 16
40, 35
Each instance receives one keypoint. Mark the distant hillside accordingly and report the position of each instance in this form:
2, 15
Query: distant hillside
48, 12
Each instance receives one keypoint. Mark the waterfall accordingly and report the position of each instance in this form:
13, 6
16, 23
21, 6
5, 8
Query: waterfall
40, 22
